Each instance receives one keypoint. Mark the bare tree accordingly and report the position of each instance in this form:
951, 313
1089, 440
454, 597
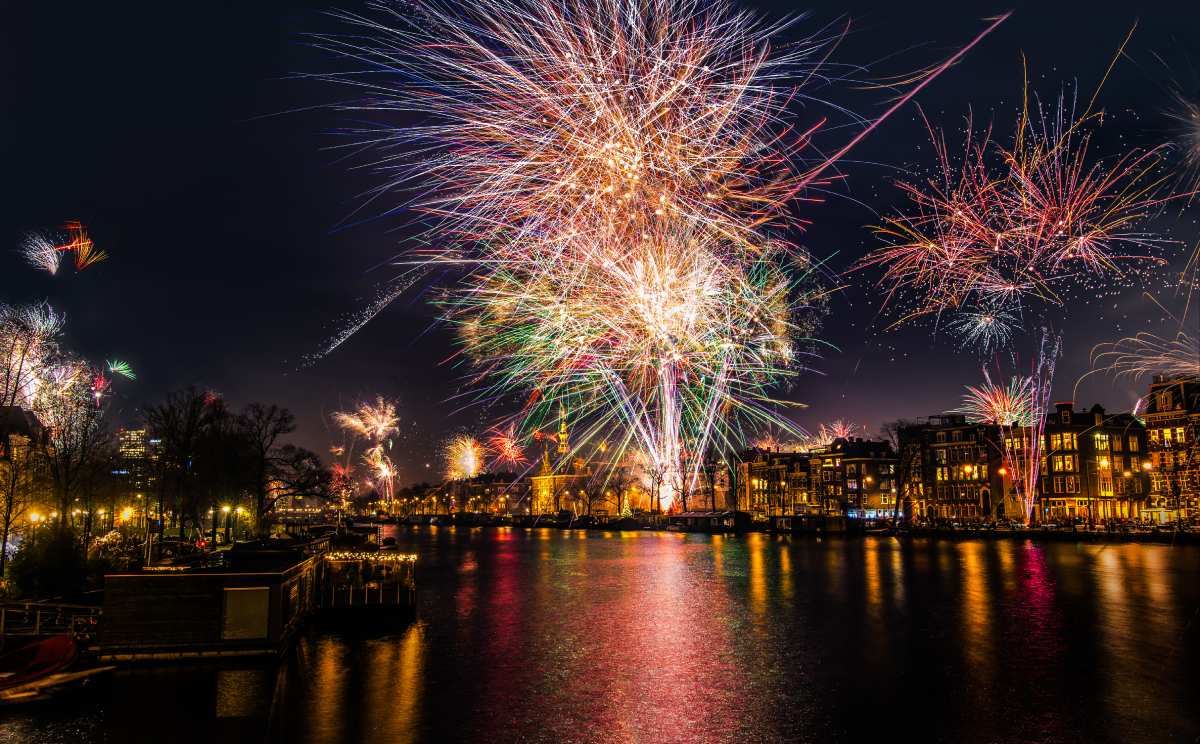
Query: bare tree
900, 434
179, 423
276, 471
75, 435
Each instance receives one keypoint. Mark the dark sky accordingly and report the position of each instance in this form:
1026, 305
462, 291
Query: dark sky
163, 128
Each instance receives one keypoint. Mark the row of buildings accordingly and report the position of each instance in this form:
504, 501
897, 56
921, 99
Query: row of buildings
1092, 466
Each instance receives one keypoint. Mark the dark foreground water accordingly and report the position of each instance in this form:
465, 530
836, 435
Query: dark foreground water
654, 637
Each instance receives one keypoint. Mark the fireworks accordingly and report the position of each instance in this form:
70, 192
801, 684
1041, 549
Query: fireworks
372, 421
1000, 405
1186, 118
505, 445
1019, 411
118, 367
375, 423
610, 177
41, 252
1018, 226
464, 457
78, 242
985, 329
1147, 354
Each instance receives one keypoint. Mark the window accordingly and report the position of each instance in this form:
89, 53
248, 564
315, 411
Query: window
852, 469
1164, 400
1154, 436
1133, 444
1066, 416
941, 437
1116, 443
1166, 436
852, 484
1058, 484
1069, 441
1101, 441
941, 456
941, 474
1072, 484
1137, 485
983, 471
1056, 441
1180, 437
955, 435
246, 613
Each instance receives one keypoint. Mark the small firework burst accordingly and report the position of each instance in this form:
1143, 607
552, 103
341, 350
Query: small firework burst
985, 329
1185, 116
118, 367
1001, 405
464, 457
78, 242
505, 445
41, 252
375, 421
1023, 223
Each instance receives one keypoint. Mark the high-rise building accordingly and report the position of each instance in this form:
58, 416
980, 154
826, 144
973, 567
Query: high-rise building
137, 454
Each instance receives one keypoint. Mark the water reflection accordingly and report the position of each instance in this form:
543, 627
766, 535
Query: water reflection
646, 637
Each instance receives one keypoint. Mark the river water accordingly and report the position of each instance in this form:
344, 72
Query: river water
548, 636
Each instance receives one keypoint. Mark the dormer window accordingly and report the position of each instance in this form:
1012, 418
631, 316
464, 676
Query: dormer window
1066, 416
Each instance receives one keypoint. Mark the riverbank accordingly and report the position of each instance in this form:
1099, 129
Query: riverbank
847, 528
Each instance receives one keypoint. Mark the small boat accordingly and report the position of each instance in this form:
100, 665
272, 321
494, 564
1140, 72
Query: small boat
36, 660
38, 670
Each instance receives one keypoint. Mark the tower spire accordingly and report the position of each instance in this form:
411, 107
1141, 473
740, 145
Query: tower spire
563, 447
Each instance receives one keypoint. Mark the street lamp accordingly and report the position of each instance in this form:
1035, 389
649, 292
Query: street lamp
225, 513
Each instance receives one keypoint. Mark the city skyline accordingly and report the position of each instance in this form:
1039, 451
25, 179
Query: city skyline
169, 246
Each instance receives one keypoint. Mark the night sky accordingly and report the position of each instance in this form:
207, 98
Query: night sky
201, 161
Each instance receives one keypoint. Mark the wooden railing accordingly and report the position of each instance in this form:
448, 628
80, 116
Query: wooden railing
42, 619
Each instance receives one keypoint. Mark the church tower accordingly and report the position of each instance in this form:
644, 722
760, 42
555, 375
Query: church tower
563, 447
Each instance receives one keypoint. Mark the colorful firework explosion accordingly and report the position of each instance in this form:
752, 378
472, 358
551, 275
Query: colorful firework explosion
608, 175
78, 242
505, 446
464, 457
1019, 226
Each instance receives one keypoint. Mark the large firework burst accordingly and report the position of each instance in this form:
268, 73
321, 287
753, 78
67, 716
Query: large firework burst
610, 176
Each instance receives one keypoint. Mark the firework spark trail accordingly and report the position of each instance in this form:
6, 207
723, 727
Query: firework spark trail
608, 175
1018, 226
1147, 354
78, 242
